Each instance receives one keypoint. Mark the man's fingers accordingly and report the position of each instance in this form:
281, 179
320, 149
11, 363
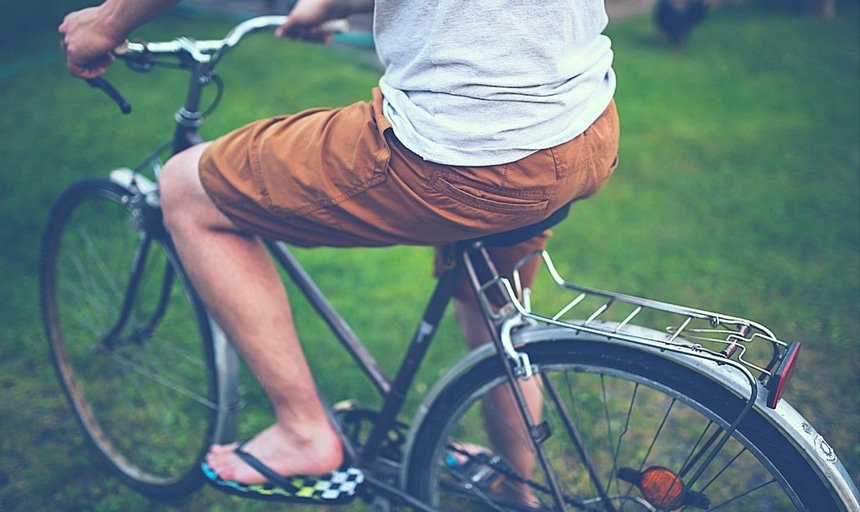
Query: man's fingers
91, 69
283, 29
315, 33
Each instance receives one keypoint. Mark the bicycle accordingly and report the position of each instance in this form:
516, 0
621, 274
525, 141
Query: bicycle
633, 417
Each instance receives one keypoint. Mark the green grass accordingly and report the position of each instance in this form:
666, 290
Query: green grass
737, 191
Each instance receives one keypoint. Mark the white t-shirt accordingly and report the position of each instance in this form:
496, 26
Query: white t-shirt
487, 82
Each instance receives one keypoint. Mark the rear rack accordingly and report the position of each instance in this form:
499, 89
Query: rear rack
743, 345
725, 339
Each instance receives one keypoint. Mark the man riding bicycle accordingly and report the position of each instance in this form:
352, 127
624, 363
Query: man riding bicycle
490, 115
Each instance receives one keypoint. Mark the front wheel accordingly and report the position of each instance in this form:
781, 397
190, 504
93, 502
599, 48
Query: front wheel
130, 340
645, 423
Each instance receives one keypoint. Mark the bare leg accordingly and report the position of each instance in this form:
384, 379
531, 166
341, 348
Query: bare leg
237, 280
506, 429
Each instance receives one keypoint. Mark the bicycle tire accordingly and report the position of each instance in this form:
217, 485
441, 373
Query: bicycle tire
150, 398
634, 409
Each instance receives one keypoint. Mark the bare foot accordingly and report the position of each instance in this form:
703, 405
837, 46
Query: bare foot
283, 451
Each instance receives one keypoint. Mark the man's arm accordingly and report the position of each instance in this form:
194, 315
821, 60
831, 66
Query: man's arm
89, 35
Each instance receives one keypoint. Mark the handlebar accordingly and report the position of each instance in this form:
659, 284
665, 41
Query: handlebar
140, 55
205, 51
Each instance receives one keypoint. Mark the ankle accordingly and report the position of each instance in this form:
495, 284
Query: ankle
320, 441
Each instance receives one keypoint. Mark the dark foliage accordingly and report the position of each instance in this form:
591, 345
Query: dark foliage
676, 18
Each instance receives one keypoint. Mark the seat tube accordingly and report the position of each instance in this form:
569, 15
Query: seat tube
408, 368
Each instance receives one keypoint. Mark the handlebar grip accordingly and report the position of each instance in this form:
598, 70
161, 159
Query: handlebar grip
101, 83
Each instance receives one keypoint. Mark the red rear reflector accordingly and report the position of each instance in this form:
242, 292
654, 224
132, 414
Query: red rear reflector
779, 382
661, 488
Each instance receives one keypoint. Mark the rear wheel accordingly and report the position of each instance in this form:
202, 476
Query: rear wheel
144, 388
644, 421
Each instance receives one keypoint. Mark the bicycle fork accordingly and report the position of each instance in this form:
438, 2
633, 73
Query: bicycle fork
147, 219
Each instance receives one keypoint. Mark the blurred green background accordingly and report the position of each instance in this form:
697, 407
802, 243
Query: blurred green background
738, 191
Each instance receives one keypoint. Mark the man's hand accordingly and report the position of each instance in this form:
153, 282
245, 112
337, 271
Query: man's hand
90, 35
306, 17
87, 42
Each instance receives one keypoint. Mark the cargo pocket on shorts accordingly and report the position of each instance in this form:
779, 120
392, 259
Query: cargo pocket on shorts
490, 198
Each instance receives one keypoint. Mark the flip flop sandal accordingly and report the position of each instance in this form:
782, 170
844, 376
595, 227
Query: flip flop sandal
337, 487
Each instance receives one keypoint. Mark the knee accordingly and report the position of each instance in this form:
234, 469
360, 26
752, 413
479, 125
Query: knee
179, 185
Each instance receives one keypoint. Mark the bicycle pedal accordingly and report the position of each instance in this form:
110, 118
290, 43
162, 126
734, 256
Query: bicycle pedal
484, 471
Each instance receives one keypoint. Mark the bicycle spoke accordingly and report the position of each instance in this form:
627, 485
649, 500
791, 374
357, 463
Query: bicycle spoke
98, 262
695, 452
724, 468
147, 404
657, 433
743, 495
568, 462
176, 352
576, 439
132, 366
613, 477
91, 295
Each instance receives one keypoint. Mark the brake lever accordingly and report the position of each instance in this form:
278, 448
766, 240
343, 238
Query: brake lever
101, 83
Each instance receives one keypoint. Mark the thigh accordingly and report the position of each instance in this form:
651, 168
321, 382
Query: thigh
305, 178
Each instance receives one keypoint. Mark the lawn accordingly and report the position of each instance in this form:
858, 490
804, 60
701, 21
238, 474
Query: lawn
738, 191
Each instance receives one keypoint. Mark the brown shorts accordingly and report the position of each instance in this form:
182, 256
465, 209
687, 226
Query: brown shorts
339, 177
